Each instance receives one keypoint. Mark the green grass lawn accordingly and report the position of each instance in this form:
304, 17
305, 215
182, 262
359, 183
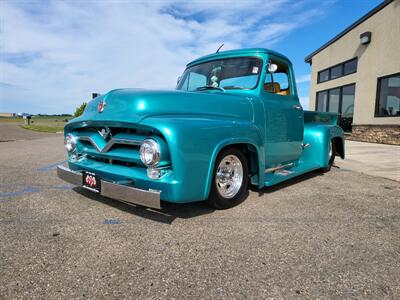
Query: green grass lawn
40, 123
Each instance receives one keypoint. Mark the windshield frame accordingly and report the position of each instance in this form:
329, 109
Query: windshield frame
226, 58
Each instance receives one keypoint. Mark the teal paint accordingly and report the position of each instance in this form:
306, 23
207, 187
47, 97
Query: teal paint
197, 125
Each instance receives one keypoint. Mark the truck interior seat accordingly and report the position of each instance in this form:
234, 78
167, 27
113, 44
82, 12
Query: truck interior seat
272, 87
285, 92
276, 89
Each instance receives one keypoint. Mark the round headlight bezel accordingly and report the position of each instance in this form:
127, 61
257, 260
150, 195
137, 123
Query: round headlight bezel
150, 147
70, 143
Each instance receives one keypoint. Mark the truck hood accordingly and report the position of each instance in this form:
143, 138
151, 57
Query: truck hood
133, 105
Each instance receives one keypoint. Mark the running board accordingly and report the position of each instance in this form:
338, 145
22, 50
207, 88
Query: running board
274, 169
283, 173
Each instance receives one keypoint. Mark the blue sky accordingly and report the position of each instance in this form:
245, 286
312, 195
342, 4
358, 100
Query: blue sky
54, 54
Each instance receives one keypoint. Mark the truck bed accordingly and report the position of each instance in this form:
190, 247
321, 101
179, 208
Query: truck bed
320, 117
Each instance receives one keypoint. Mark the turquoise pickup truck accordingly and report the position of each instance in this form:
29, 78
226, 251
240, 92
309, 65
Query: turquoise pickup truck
234, 120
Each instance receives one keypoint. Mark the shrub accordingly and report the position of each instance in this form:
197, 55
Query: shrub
79, 110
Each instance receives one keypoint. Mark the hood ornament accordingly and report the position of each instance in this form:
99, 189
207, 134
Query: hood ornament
101, 106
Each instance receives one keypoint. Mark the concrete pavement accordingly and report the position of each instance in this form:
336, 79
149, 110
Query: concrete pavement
12, 132
373, 159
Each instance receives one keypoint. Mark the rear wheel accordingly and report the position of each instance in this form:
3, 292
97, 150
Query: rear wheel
230, 179
332, 154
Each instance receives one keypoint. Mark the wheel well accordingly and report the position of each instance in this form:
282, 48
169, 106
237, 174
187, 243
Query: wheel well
338, 146
251, 154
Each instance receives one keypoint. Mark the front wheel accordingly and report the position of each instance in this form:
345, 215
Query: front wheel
332, 154
230, 179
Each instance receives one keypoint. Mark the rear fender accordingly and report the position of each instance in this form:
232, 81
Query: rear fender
317, 138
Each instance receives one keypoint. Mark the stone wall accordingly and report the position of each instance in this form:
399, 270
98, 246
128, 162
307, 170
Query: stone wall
383, 134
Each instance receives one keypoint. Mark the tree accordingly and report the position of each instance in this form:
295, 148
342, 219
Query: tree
79, 110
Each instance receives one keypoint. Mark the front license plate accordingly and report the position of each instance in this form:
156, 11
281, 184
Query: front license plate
91, 181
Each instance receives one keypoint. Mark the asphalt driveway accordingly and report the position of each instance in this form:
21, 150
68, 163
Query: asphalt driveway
335, 235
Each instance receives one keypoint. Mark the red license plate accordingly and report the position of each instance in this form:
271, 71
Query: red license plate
91, 181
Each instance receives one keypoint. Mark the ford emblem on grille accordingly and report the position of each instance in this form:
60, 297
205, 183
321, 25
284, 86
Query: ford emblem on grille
101, 106
105, 133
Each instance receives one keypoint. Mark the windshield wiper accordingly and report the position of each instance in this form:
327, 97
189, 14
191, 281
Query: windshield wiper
210, 87
233, 87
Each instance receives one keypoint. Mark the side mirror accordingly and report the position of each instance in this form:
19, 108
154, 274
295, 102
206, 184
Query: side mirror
272, 68
94, 95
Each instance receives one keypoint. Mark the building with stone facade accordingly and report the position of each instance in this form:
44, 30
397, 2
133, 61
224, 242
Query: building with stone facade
357, 74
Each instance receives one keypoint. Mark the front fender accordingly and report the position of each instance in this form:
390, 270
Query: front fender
254, 141
194, 143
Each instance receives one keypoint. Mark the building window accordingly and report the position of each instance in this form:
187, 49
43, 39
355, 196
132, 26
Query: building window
388, 96
336, 72
333, 103
323, 76
339, 100
350, 67
347, 106
342, 69
322, 101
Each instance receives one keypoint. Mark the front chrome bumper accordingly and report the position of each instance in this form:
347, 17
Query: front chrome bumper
149, 198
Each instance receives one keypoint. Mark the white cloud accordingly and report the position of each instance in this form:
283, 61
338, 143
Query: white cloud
304, 102
303, 78
54, 54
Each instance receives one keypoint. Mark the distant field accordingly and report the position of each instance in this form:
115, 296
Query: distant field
40, 123
11, 120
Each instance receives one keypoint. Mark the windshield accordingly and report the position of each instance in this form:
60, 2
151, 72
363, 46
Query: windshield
223, 74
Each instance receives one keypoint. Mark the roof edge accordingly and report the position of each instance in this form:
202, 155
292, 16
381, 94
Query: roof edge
235, 52
349, 28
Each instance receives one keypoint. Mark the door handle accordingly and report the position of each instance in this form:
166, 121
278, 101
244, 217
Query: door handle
297, 107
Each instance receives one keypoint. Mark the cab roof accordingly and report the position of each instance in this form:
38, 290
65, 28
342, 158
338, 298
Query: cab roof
236, 53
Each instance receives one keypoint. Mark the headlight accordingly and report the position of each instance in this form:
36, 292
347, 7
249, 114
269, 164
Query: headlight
70, 142
150, 152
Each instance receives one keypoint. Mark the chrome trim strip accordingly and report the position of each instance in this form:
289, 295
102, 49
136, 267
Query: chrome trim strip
270, 170
110, 143
114, 141
149, 198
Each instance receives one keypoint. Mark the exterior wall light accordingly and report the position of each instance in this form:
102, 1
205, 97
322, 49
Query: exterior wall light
365, 38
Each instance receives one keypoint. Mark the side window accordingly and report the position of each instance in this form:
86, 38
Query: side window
278, 82
282, 79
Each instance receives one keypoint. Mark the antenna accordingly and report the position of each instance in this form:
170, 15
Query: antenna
220, 47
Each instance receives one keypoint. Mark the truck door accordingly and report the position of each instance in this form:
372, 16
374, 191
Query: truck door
283, 114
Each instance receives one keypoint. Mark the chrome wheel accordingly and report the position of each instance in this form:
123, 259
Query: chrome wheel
330, 150
229, 177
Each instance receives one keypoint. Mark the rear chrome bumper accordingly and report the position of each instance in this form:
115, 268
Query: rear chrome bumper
149, 198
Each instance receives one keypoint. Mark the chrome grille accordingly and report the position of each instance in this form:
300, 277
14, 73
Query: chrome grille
110, 143
120, 147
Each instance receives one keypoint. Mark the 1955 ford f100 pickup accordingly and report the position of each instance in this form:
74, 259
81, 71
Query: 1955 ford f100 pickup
234, 119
